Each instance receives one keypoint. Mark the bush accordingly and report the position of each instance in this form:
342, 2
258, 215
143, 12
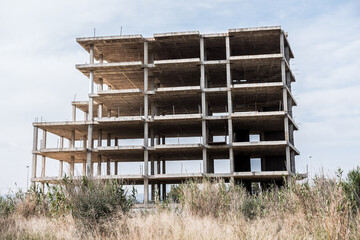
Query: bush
92, 201
352, 187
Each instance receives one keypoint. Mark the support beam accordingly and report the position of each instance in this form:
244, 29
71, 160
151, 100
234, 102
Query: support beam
61, 168
99, 156
158, 171
72, 166
72, 140
34, 155
84, 168
203, 105
90, 118
61, 142
164, 184
108, 159
146, 124
116, 163
74, 113
286, 119
43, 162
229, 103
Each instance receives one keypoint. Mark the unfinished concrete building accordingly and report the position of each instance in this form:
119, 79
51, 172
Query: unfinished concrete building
227, 96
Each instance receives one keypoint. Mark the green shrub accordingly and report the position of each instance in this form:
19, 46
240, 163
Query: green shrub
92, 201
352, 187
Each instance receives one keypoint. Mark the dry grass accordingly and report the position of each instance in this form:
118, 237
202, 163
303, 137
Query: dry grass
209, 211
170, 225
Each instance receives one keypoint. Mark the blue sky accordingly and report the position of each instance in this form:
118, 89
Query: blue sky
38, 53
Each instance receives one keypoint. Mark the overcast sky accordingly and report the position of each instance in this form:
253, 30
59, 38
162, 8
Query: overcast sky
38, 52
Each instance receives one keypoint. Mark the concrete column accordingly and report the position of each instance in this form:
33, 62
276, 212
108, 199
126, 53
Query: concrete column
101, 84
34, 155
152, 173
282, 49
72, 140
146, 124
100, 110
72, 166
152, 144
84, 168
90, 118
229, 106
108, 166
74, 113
116, 168
43, 161
285, 108
158, 165
61, 142
43, 146
164, 184
61, 168
99, 156
288, 80
203, 104
108, 159
91, 53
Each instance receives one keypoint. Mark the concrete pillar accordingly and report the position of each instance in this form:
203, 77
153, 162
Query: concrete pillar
84, 168
91, 53
229, 100
43, 162
203, 103
72, 139
158, 140
34, 155
99, 156
43, 146
61, 142
99, 165
100, 110
152, 173
282, 48
108, 159
164, 184
108, 170
90, 118
74, 113
72, 166
158, 168
61, 168
285, 108
116, 163
146, 124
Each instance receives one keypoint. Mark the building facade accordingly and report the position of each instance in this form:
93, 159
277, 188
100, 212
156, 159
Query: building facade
180, 96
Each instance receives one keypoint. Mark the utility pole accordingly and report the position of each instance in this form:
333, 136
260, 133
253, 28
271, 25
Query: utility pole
27, 179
